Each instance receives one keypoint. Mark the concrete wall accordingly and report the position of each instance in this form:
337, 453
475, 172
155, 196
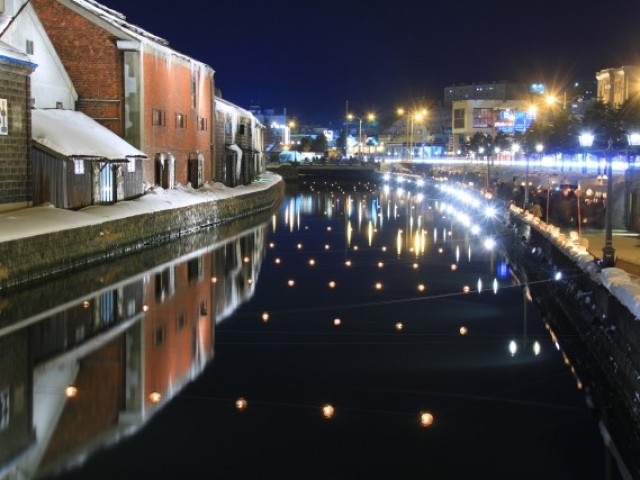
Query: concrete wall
56, 253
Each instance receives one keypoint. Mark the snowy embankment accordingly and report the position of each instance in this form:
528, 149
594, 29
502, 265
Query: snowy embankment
46, 218
619, 283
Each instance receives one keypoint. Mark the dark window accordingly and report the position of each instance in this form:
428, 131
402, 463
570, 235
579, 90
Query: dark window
202, 123
242, 129
29, 47
194, 88
458, 118
180, 322
158, 117
158, 336
181, 120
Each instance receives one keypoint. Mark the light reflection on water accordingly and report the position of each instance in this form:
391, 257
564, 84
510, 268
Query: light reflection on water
339, 355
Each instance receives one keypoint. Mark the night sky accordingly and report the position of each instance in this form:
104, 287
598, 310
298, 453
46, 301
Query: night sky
312, 57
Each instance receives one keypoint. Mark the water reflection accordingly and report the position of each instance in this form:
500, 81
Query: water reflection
86, 365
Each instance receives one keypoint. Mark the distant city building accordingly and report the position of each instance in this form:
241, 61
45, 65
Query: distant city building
486, 91
277, 130
616, 85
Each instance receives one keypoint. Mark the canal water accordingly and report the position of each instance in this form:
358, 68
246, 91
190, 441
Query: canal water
357, 332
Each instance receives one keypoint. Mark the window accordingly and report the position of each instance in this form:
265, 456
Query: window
242, 129
131, 166
202, 123
194, 88
158, 117
458, 118
483, 117
180, 321
181, 120
78, 167
29, 47
227, 128
158, 336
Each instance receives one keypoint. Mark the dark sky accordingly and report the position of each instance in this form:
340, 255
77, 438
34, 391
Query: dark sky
312, 57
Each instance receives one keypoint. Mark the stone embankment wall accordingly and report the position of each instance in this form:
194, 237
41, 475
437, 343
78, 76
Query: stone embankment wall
607, 358
35, 258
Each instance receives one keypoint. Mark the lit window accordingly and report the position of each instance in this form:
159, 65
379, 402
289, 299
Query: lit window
181, 120
78, 167
158, 117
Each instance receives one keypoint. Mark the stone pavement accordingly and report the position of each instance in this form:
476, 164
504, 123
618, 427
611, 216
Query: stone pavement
625, 243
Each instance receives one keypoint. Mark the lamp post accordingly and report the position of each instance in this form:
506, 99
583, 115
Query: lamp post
411, 118
608, 252
371, 117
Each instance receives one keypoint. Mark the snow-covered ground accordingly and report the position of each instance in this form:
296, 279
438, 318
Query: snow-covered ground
32, 221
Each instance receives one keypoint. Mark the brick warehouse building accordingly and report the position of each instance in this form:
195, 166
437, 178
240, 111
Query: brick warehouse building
15, 128
130, 81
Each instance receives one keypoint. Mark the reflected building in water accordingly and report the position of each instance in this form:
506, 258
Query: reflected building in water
83, 372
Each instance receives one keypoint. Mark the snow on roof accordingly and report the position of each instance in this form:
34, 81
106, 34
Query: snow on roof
74, 134
118, 21
10, 54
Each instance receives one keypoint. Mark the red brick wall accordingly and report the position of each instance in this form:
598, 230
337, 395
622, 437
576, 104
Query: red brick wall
167, 86
91, 58
95, 66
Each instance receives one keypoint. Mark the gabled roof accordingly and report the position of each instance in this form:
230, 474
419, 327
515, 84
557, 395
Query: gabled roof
73, 134
116, 21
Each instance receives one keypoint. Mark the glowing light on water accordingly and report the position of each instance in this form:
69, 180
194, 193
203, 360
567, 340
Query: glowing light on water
241, 404
479, 285
349, 230
536, 348
435, 235
328, 411
495, 286
399, 242
426, 419
513, 347
274, 223
457, 253
469, 253
370, 233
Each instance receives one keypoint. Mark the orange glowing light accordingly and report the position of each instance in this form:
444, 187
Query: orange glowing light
155, 397
399, 326
214, 280
415, 266
466, 289
328, 411
348, 263
145, 308
277, 261
454, 267
380, 264
246, 259
299, 246
291, 283
421, 288
332, 284
463, 330
337, 322
85, 304
265, 316
378, 286
426, 419
241, 404
312, 262
71, 391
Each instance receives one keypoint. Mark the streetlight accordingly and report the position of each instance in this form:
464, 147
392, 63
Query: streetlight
608, 252
370, 117
411, 118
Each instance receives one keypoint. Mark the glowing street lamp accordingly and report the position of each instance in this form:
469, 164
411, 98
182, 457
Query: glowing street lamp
370, 117
412, 117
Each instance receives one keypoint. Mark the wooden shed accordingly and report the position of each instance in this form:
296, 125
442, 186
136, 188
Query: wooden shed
77, 162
